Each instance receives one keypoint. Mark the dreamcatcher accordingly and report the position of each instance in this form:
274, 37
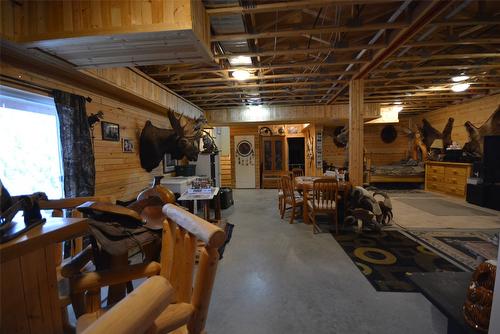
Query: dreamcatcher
245, 153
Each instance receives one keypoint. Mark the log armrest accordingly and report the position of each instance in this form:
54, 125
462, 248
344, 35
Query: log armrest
133, 314
94, 280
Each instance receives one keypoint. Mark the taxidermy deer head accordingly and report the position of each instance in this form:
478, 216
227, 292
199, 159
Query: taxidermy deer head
180, 141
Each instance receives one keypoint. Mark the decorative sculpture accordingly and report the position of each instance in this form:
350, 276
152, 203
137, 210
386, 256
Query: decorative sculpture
365, 210
479, 299
179, 141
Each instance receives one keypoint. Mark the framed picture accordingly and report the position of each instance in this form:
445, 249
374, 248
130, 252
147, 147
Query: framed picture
110, 131
168, 163
127, 145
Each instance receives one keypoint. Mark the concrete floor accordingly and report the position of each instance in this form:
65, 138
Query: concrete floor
280, 278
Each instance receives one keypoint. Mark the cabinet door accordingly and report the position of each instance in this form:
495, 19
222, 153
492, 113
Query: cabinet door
278, 154
268, 154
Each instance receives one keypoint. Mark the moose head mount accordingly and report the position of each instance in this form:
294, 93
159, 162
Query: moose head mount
180, 141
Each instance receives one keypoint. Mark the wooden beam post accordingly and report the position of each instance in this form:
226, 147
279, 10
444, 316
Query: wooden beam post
356, 91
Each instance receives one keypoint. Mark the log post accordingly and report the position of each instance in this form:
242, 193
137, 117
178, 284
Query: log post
356, 138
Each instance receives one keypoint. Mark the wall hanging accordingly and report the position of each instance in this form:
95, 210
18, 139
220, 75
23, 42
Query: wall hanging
110, 131
388, 134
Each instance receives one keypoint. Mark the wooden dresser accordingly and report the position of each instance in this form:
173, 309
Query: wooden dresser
447, 177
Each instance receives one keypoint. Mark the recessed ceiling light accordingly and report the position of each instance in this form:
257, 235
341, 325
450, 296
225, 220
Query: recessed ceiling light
241, 75
460, 87
240, 60
459, 78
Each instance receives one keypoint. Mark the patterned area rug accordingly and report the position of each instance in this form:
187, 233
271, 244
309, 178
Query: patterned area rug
468, 248
385, 258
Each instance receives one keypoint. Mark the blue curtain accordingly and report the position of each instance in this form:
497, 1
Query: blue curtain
76, 143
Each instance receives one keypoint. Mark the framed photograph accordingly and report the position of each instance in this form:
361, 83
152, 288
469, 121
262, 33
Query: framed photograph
110, 131
168, 163
127, 145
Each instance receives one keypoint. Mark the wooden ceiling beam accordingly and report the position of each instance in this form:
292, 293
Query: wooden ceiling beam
445, 57
424, 15
299, 51
189, 96
436, 68
299, 32
262, 77
254, 68
427, 78
317, 84
288, 5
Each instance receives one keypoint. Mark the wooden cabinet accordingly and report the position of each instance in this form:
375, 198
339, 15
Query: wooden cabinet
447, 177
273, 160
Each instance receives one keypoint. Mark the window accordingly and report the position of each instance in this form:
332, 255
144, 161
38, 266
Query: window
30, 159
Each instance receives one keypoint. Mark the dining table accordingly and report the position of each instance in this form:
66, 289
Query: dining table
305, 185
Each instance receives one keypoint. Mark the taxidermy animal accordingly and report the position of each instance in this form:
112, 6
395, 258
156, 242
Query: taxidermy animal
179, 141
429, 133
474, 147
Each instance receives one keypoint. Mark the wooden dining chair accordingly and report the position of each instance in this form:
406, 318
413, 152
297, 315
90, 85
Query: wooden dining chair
297, 172
291, 197
191, 298
324, 201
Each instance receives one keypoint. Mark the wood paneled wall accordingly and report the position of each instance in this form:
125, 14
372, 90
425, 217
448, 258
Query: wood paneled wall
247, 130
476, 111
379, 152
287, 114
118, 174
139, 84
226, 178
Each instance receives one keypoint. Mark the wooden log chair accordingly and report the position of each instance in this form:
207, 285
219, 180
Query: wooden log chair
324, 201
290, 197
188, 312
79, 258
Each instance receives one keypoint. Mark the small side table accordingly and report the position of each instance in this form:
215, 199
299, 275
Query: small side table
205, 198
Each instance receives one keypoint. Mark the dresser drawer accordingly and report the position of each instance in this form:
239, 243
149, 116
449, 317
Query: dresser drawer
435, 169
455, 171
435, 186
457, 190
455, 180
434, 177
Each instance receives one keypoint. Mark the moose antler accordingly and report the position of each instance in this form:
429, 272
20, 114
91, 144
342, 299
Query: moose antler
176, 123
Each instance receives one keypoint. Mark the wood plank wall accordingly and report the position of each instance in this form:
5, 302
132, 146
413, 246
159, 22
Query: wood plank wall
380, 152
247, 130
476, 111
117, 174
226, 178
42, 20
137, 83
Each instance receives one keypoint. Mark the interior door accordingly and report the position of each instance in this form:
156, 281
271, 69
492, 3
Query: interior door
244, 164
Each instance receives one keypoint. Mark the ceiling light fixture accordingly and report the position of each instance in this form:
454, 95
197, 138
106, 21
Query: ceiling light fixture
241, 75
240, 60
457, 88
398, 103
459, 78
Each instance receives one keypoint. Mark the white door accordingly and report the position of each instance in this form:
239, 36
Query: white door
244, 164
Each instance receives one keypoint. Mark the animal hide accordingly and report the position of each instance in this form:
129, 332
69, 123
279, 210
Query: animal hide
474, 147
